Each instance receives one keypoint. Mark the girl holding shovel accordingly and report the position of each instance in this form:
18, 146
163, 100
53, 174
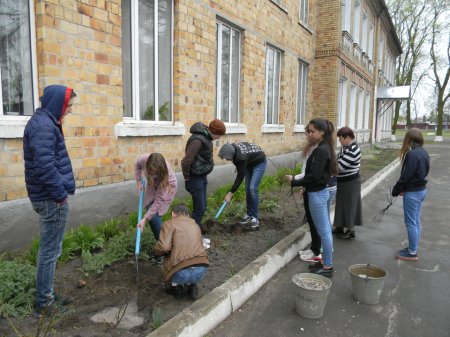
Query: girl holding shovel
250, 162
160, 189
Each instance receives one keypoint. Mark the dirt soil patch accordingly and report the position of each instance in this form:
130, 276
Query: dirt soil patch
231, 250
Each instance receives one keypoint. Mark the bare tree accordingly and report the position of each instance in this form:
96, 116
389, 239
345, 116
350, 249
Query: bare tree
412, 24
439, 64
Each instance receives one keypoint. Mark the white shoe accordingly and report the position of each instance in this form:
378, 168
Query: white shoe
206, 243
311, 257
305, 252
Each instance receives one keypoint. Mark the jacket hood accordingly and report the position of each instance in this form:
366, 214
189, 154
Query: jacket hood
201, 128
55, 100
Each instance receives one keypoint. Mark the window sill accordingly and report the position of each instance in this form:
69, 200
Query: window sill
299, 128
149, 129
272, 128
281, 5
306, 27
234, 128
13, 126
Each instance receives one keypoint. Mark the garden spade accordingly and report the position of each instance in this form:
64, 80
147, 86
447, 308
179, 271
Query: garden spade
138, 230
220, 210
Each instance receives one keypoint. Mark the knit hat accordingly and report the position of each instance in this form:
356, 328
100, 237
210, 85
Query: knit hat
217, 127
227, 151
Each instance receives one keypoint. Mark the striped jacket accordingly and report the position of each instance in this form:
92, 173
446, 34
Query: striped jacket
349, 159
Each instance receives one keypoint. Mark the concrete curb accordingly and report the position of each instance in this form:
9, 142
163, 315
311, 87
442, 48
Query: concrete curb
213, 308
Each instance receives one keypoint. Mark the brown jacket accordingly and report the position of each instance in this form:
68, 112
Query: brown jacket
181, 239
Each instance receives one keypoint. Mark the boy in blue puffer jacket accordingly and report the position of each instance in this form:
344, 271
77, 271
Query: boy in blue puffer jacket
49, 180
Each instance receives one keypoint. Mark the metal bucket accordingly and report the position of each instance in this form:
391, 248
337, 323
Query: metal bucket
312, 294
367, 282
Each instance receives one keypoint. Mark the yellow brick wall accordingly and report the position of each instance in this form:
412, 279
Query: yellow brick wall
79, 45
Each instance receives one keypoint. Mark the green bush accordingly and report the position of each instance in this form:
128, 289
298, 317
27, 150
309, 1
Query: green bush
108, 229
17, 288
85, 238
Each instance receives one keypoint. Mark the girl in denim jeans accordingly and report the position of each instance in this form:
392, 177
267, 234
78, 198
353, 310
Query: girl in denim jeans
412, 186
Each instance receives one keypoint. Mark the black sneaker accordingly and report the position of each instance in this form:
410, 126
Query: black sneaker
348, 235
324, 272
338, 231
247, 218
62, 301
48, 311
193, 291
252, 225
315, 266
176, 291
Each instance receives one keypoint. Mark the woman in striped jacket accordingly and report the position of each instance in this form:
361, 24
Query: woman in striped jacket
348, 213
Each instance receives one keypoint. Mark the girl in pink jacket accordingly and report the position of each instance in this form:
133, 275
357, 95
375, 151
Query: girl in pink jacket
160, 189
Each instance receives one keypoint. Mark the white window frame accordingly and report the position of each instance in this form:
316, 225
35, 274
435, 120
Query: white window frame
360, 114
364, 41
274, 126
371, 37
232, 126
346, 14
135, 126
381, 54
342, 101
304, 12
367, 111
357, 22
14, 126
302, 93
352, 108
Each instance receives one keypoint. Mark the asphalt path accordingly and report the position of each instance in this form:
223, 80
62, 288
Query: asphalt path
415, 300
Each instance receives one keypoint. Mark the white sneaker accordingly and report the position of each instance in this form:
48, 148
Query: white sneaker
311, 257
245, 220
206, 243
305, 252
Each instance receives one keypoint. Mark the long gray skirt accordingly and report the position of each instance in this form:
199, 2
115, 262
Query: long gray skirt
348, 211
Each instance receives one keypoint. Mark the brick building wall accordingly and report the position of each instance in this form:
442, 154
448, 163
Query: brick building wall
79, 45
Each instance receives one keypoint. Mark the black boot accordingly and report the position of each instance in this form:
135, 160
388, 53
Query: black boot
193, 291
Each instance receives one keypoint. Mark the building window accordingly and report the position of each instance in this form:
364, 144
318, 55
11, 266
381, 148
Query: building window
352, 111
381, 54
356, 22
367, 111
147, 59
360, 109
370, 46
302, 90
304, 12
17, 66
346, 6
228, 72
273, 79
364, 33
342, 103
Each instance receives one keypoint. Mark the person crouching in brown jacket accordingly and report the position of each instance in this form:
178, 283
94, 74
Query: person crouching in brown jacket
185, 262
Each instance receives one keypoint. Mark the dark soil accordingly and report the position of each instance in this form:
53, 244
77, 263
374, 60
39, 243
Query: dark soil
231, 250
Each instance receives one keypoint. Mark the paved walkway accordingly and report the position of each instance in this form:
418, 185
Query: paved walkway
416, 296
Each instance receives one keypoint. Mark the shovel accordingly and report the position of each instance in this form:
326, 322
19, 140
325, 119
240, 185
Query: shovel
220, 210
138, 230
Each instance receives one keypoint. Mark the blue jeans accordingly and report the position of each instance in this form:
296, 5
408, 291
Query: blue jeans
318, 206
155, 223
189, 275
412, 207
52, 224
252, 180
196, 186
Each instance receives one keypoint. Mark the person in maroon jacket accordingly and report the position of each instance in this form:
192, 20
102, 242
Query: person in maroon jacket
250, 162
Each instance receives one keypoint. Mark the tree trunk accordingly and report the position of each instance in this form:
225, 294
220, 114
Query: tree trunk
440, 116
408, 114
396, 115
